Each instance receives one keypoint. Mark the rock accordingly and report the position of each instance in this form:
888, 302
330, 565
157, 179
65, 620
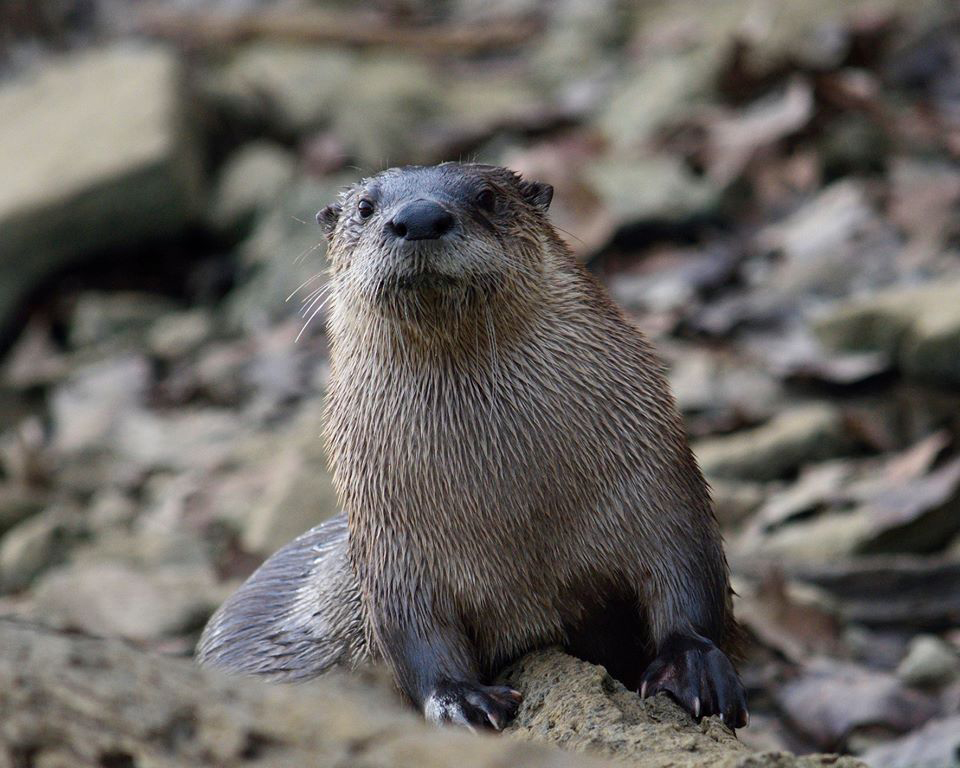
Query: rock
924, 196
929, 662
853, 144
936, 745
299, 493
657, 89
77, 701
577, 41
129, 601
931, 351
735, 501
285, 256
221, 371
821, 539
652, 188
17, 503
834, 244
249, 183
88, 407
110, 510
917, 326
720, 390
119, 170
831, 700
197, 439
793, 438
71, 700
35, 545
387, 100
144, 547
287, 89
579, 707
117, 319
178, 334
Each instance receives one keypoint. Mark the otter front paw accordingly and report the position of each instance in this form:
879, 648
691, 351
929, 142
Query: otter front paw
700, 677
472, 705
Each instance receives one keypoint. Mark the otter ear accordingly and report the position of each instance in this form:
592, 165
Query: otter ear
327, 218
537, 194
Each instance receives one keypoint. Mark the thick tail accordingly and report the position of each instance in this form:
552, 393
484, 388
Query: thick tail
296, 617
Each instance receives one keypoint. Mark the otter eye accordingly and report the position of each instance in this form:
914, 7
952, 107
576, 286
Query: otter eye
486, 199
365, 207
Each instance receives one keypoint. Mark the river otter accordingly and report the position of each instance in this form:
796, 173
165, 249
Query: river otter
512, 466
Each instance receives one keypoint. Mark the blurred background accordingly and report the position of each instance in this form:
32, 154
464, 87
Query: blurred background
771, 189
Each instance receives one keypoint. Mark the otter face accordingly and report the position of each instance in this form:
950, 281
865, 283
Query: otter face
452, 231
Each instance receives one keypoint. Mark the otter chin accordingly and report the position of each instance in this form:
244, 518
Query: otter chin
512, 467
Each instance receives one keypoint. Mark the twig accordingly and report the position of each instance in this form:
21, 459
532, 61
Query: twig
205, 29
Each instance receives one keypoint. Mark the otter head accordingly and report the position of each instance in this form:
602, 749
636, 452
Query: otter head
426, 245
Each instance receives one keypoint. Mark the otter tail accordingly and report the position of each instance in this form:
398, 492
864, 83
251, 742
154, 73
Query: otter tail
296, 617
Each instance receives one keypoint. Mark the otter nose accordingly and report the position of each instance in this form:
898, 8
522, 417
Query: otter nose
421, 220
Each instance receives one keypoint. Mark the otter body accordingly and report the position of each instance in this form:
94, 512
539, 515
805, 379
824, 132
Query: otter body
513, 470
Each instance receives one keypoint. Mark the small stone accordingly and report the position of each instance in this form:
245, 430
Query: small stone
88, 406
177, 335
820, 539
834, 244
115, 317
795, 437
35, 545
917, 326
110, 510
660, 188
735, 501
126, 600
17, 503
299, 492
190, 439
655, 91
929, 662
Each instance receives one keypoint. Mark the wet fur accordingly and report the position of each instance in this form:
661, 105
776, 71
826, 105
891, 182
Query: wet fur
512, 467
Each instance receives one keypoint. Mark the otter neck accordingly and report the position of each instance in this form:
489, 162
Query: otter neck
429, 331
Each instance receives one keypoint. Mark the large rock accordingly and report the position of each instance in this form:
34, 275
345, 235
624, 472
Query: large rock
73, 700
95, 154
919, 327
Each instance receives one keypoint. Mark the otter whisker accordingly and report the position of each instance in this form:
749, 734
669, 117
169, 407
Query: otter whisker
307, 252
317, 296
304, 284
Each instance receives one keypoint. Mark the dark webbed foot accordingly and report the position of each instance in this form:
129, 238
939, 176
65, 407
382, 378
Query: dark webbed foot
700, 677
472, 705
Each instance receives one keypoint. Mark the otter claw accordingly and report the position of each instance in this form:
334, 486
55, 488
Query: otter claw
698, 675
472, 705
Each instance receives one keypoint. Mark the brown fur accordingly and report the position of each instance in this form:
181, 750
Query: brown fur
497, 451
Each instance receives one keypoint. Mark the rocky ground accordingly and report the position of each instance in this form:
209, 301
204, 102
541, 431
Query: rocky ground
770, 189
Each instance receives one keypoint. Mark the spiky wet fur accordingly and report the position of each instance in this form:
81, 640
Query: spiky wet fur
512, 466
